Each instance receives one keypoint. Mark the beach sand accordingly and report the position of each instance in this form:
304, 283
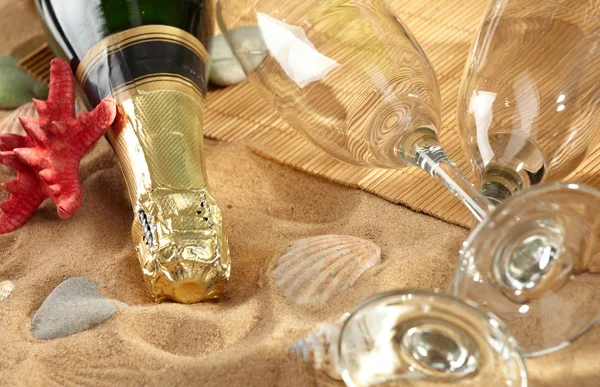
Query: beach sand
243, 340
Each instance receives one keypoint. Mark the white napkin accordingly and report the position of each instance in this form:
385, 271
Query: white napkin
294, 52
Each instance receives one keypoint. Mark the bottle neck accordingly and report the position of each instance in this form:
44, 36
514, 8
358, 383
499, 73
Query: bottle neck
143, 59
77, 25
159, 139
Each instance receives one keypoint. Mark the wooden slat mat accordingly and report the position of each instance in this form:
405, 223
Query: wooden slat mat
37, 63
445, 29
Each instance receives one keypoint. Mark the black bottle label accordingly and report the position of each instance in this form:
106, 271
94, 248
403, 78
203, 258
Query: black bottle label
144, 59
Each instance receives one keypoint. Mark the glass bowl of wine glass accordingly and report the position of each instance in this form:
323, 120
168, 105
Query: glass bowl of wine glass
528, 107
349, 75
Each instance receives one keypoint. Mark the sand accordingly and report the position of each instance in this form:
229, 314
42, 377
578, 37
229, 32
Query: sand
243, 340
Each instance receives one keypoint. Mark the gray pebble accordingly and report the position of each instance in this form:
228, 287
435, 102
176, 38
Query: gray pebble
225, 69
74, 306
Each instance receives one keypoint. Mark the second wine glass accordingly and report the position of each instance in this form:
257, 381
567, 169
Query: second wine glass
546, 300
529, 105
534, 263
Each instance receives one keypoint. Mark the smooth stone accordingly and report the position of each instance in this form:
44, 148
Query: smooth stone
16, 86
225, 68
7, 61
73, 306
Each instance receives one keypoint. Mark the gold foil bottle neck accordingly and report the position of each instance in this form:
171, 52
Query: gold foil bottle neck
182, 250
177, 230
157, 74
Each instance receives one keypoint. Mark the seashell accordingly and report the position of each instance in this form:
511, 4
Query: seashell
6, 288
11, 125
313, 270
369, 340
320, 348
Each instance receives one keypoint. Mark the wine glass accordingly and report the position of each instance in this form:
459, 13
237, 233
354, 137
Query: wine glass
528, 106
547, 298
410, 337
350, 76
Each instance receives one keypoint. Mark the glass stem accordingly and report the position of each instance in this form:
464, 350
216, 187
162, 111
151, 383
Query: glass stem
434, 161
422, 148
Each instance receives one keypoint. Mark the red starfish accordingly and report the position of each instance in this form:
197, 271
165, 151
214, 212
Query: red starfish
47, 159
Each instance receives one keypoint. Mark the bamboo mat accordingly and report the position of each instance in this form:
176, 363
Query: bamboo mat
445, 29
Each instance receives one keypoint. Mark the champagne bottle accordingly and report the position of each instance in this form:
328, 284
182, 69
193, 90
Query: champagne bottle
151, 57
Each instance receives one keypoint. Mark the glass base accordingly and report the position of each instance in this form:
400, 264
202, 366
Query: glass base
408, 336
528, 263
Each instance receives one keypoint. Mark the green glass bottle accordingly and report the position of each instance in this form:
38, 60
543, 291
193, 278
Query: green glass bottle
149, 33
151, 56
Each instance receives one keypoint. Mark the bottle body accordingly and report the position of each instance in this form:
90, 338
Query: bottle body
151, 57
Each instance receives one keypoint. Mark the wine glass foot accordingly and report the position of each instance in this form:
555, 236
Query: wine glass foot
410, 336
438, 349
529, 263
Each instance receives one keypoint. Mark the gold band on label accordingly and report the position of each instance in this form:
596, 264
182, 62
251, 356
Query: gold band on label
177, 229
157, 82
137, 35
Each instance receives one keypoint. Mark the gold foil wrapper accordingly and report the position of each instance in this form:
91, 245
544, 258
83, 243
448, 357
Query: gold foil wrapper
177, 230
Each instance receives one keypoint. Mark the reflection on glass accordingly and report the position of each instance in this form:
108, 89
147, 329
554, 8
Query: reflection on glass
296, 55
410, 337
528, 107
379, 106
349, 76
534, 263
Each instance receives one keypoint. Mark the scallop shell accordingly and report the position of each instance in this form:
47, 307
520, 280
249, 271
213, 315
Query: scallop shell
313, 270
6, 288
367, 340
320, 348
10, 123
